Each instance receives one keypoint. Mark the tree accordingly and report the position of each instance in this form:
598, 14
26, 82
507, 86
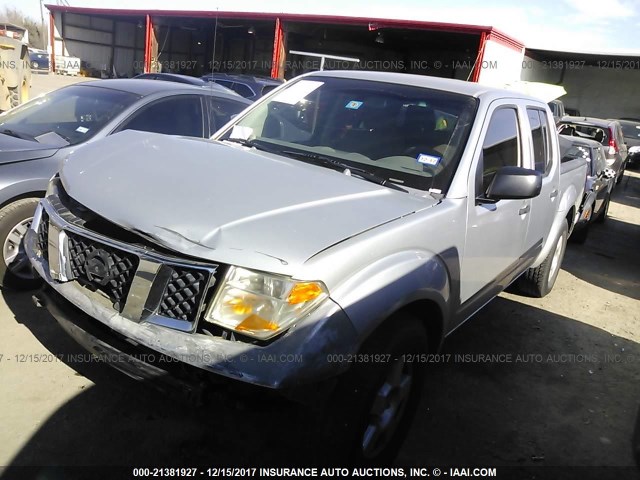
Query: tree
36, 34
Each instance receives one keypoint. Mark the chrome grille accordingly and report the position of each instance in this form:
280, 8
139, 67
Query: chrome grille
101, 267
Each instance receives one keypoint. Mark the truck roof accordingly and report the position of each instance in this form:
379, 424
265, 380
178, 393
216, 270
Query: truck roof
446, 84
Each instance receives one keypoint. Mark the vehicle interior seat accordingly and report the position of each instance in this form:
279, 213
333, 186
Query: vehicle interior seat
599, 136
419, 131
370, 130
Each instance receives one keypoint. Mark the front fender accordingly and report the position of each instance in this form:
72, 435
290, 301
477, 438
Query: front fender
385, 286
11, 191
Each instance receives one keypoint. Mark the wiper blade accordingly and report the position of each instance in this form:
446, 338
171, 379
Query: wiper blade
329, 162
13, 133
250, 144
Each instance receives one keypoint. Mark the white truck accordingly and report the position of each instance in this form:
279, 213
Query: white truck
348, 221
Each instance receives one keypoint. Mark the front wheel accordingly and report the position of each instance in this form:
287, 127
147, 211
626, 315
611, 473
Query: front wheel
374, 402
15, 268
538, 281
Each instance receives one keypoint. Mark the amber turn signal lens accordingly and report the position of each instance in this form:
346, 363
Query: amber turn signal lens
255, 322
303, 292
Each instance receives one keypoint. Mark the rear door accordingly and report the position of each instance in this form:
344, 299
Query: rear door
544, 154
495, 232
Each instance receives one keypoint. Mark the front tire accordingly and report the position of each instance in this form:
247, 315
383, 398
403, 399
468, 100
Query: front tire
374, 403
538, 281
15, 269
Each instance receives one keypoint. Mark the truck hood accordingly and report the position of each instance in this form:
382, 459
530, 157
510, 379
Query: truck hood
225, 203
14, 149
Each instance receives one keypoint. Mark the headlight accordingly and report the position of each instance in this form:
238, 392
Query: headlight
262, 305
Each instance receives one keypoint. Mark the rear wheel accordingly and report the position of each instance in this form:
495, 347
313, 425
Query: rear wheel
15, 268
373, 405
538, 281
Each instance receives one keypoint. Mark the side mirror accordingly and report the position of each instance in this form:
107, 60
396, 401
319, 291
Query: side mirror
513, 183
609, 173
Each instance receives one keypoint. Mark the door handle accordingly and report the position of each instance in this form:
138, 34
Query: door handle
553, 194
524, 210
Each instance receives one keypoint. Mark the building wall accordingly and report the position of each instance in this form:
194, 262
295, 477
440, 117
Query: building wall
596, 92
500, 64
102, 44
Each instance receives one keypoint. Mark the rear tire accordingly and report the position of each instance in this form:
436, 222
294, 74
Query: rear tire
371, 409
538, 281
15, 268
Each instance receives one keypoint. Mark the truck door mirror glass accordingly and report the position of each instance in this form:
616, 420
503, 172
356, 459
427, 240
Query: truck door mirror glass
513, 183
609, 173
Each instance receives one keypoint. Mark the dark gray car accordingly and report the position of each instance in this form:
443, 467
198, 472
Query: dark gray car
598, 185
249, 86
631, 133
35, 137
606, 132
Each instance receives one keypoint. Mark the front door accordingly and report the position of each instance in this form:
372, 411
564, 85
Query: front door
495, 232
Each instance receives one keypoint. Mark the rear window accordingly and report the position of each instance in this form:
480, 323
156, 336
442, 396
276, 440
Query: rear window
580, 130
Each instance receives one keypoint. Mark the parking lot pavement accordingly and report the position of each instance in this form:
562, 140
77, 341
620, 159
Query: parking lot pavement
527, 382
42, 83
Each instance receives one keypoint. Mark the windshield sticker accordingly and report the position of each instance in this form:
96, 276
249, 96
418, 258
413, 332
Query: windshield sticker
353, 105
241, 132
432, 160
297, 91
82, 129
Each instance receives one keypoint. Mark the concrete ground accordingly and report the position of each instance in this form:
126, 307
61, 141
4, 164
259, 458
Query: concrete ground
564, 390
45, 82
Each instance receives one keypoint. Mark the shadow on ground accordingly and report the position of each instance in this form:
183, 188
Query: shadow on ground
516, 386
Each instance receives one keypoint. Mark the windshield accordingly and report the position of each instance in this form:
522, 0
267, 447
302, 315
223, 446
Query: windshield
630, 129
75, 114
410, 136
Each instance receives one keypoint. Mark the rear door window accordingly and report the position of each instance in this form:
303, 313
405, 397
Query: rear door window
540, 137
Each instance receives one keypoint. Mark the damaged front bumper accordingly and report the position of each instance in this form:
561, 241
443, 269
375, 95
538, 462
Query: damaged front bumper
305, 354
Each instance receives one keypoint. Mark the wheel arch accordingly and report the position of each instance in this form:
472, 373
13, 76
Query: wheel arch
430, 315
22, 196
420, 284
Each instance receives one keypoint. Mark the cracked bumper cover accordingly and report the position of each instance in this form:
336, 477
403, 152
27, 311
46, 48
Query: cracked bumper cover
303, 355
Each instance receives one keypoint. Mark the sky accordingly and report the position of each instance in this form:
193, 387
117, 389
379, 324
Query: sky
609, 26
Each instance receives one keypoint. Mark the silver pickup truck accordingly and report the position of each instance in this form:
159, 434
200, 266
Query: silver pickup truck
325, 239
